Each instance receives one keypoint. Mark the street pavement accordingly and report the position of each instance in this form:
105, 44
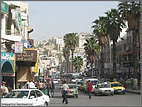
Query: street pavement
129, 99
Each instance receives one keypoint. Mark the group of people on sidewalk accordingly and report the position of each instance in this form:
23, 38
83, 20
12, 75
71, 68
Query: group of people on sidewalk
44, 86
5, 89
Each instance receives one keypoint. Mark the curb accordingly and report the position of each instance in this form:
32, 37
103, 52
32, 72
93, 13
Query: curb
129, 91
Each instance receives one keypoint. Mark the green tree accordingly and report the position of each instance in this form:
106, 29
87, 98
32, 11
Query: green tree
66, 53
102, 36
130, 12
78, 62
91, 48
114, 25
71, 41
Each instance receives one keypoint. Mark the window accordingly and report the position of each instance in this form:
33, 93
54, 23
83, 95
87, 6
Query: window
38, 93
32, 93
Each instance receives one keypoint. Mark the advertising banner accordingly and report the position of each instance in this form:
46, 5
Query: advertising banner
28, 55
4, 7
7, 62
19, 47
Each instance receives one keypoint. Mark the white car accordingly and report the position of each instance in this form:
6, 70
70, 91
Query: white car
104, 89
55, 81
25, 97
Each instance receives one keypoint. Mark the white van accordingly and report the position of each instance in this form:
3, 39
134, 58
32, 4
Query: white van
93, 81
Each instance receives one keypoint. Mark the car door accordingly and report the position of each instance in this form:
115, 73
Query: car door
40, 97
33, 98
97, 89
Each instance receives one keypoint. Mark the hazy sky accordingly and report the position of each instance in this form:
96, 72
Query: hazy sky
57, 18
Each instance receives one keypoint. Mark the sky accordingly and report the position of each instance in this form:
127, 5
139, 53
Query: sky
57, 18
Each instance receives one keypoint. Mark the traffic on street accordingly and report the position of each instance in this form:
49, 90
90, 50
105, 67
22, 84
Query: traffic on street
71, 53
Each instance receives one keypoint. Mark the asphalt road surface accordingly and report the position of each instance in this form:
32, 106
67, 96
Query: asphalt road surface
129, 99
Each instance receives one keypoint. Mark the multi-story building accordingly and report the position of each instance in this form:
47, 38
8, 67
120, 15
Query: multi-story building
14, 28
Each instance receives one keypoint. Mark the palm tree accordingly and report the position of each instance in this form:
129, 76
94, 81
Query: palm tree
91, 48
114, 25
78, 62
102, 36
130, 11
66, 53
71, 41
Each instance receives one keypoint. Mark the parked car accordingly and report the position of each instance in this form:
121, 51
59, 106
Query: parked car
25, 97
73, 90
55, 81
79, 83
118, 87
71, 82
93, 81
103, 89
48, 80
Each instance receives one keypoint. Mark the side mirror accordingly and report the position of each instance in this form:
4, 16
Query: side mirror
31, 97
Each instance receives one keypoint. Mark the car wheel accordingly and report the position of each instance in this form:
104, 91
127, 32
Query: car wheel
123, 92
45, 104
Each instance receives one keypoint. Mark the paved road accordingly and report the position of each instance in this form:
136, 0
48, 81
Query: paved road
128, 99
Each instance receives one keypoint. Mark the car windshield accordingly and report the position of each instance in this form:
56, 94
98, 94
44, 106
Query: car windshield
17, 94
79, 82
116, 85
70, 82
94, 82
104, 86
72, 86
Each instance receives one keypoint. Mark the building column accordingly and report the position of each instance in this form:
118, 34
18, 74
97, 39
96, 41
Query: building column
3, 24
12, 29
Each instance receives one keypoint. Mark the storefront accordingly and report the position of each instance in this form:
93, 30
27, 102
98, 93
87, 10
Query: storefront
8, 68
24, 62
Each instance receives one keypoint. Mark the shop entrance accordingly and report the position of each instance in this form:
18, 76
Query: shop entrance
8, 74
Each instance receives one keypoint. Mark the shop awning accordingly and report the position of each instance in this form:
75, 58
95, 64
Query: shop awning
126, 53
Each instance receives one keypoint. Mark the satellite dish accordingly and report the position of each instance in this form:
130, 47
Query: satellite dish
13, 46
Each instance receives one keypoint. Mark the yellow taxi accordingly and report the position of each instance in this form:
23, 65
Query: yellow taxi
118, 87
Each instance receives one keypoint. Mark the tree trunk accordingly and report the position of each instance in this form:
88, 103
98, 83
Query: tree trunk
135, 64
91, 69
72, 61
114, 59
102, 61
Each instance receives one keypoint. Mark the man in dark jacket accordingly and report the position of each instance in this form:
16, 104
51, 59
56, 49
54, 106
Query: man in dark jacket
89, 89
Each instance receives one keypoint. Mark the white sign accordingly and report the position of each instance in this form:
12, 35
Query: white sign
19, 47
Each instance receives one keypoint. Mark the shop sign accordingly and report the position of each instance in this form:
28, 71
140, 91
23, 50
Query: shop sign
7, 57
28, 55
4, 7
8, 74
18, 19
19, 47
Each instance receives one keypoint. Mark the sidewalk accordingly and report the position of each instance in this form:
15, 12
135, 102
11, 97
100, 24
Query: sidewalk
133, 91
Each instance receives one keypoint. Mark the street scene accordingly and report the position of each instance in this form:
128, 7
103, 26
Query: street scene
71, 53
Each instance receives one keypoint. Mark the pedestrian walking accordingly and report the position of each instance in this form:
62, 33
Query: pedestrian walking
5, 89
48, 88
31, 85
41, 85
89, 89
52, 89
65, 90
1, 88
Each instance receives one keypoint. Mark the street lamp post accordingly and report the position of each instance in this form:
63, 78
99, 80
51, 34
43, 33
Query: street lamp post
38, 78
